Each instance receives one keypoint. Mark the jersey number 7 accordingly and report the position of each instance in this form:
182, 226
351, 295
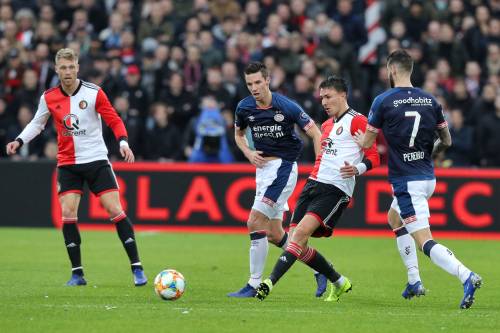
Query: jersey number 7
416, 123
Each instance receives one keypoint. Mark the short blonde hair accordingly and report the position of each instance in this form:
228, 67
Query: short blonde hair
66, 53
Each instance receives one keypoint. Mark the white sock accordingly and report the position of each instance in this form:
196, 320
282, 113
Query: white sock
339, 282
258, 255
444, 258
408, 252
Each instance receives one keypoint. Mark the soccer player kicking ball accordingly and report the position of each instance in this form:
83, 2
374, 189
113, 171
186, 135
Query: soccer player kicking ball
271, 118
409, 118
328, 190
77, 107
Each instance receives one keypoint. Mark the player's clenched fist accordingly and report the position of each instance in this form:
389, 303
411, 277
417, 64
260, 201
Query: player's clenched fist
12, 147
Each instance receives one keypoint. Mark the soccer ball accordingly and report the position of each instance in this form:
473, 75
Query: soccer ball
170, 284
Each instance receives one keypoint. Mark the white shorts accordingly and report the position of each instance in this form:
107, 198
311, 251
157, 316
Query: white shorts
275, 182
410, 201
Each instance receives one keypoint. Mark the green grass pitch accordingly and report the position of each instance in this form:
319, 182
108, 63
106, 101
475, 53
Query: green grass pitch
34, 268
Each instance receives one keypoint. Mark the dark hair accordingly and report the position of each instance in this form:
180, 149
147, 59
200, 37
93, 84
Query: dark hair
401, 59
255, 67
335, 82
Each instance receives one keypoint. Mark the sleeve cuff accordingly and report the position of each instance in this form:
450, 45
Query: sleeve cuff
21, 142
361, 167
442, 125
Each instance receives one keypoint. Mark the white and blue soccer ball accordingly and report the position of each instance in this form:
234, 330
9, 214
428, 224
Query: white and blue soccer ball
170, 284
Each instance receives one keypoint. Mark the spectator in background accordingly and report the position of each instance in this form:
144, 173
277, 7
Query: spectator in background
29, 151
489, 138
255, 21
211, 56
302, 93
216, 89
5, 122
206, 139
111, 36
27, 94
13, 76
50, 150
137, 96
353, 25
483, 105
163, 141
459, 154
181, 103
460, 99
135, 129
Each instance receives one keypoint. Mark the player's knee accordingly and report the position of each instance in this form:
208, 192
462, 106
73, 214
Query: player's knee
300, 236
393, 219
69, 211
256, 221
274, 237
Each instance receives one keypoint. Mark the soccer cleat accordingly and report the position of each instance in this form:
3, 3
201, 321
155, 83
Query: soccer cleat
411, 290
335, 291
246, 292
76, 280
322, 282
140, 278
264, 289
471, 284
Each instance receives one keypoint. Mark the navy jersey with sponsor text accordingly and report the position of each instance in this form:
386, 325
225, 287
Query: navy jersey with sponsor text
409, 118
272, 128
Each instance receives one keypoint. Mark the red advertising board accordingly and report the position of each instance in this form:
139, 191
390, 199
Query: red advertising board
217, 198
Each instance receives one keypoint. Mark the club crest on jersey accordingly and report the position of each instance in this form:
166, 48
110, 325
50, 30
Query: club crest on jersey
83, 104
279, 117
72, 125
339, 130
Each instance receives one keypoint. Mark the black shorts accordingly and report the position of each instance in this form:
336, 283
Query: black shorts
98, 175
323, 201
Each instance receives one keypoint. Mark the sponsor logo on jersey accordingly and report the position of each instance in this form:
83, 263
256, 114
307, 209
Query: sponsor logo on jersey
83, 104
328, 147
339, 130
271, 131
72, 125
419, 101
304, 115
279, 117
251, 118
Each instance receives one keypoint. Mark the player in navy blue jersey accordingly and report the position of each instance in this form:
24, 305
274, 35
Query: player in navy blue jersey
271, 119
409, 118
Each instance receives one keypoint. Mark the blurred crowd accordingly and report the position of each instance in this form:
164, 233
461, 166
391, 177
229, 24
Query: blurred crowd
173, 68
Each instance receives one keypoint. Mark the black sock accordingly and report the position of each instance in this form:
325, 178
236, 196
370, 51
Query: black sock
72, 241
317, 262
283, 240
126, 234
285, 261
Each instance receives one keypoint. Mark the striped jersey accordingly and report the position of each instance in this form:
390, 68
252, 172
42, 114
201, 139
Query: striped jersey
77, 120
338, 146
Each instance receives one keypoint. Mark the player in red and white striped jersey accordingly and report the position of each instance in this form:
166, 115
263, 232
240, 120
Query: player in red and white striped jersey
328, 190
77, 107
